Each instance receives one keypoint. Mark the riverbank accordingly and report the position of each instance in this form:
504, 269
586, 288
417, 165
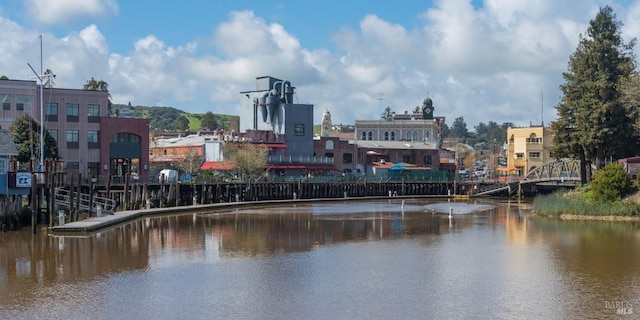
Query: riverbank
578, 206
599, 218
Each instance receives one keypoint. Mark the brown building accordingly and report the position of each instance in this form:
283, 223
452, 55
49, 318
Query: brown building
124, 147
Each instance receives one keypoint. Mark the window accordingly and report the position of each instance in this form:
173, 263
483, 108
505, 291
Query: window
386, 136
73, 137
328, 154
428, 160
328, 145
125, 138
73, 110
534, 140
51, 111
3, 166
6, 101
93, 113
93, 110
415, 136
534, 154
406, 158
92, 136
23, 103
370, 135
298, 129
347, 158
519, 155
53, 133
409, 135
364, 135
92, 139
393, 136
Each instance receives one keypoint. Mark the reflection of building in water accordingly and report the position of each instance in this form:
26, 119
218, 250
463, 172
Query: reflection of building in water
515, 224
254, 232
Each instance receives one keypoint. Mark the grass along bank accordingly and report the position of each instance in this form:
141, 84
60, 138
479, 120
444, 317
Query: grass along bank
579, 205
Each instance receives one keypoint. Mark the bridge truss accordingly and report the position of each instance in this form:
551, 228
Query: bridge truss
557, 170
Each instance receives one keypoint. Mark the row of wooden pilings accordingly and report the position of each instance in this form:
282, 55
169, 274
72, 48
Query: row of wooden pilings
137, 196
141, 196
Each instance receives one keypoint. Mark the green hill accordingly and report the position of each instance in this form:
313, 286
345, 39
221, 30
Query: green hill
173, 120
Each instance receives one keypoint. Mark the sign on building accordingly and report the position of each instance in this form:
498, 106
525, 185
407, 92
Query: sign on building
23, 179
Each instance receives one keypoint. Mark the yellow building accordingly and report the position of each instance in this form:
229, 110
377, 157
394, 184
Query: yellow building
528, 148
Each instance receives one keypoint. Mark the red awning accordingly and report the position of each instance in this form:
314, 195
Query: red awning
217, 165
275, 145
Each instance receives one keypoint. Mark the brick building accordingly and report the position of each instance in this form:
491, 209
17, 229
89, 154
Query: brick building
89, 142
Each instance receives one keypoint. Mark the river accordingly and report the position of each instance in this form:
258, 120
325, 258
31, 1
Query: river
387, 259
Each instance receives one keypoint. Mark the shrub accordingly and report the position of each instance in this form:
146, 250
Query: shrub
610, 183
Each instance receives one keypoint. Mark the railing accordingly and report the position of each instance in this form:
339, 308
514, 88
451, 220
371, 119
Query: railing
300, 159
63, 198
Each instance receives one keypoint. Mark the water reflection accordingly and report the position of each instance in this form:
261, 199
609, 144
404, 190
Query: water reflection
495, 263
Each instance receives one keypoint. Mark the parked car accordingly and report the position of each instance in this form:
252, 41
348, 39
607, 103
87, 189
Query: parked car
168, 175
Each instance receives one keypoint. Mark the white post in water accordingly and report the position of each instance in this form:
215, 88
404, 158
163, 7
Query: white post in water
450, 216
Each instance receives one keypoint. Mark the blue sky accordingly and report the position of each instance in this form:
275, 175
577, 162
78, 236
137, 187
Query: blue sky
493, 60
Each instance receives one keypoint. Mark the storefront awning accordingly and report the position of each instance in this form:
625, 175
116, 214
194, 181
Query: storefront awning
217, 165
274, 145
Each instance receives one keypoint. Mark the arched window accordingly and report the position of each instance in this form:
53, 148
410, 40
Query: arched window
386, 136
415, 136
408, 135
364, 135
329, 145
393, 136
370, 135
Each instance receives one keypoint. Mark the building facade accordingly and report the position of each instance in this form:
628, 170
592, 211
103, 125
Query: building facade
528, 148
413, 138
88, 140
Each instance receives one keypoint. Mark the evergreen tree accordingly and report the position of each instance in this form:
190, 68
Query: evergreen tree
208, 121
459, 129
593, 123
182, 123
26, 135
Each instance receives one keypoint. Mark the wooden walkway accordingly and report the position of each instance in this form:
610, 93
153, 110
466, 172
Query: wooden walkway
95, 224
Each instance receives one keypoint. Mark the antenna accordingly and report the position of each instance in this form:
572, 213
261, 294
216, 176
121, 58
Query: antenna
380, 98
542, 107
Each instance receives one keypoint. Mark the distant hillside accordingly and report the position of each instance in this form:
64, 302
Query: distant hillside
175, 120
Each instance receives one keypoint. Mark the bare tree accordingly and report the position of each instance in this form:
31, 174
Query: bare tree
248, 158
191, 163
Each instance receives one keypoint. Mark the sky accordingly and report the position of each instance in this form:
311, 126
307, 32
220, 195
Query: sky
491, 60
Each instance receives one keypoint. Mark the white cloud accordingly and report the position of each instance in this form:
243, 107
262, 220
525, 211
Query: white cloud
59, 11
486, 64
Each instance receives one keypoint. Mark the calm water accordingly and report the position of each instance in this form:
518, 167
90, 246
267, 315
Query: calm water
343, 260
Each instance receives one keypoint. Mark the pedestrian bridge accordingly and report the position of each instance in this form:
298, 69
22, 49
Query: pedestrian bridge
558, 172
554, 171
